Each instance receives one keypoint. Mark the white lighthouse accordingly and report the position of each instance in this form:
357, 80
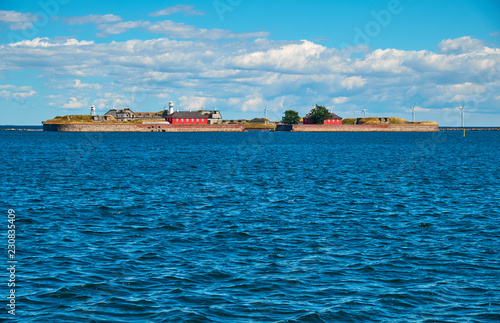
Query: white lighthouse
92, 110
171, 107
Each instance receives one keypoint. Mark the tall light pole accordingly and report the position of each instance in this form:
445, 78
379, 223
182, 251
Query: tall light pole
462, 108
265, 110
413, 112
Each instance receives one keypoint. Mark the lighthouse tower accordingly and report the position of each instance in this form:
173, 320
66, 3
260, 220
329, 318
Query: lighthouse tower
92, 110
171, 107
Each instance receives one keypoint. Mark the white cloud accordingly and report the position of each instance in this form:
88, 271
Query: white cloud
252, 104
74, 103
184, 31
163, 95
353, 82
91, 19
79, 85
420, 109
247, 75
119, 28
460, 92
234, 101
340, 100
187, 10
195, 103
460, 45
107, 101
46, 42
296, 57
16, 93
18, 20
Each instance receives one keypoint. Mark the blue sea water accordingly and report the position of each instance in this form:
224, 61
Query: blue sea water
253, 227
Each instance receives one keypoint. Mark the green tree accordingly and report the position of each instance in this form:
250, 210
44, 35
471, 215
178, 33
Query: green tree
319, 114
291, 117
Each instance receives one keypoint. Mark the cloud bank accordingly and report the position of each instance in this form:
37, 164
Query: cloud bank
246, 75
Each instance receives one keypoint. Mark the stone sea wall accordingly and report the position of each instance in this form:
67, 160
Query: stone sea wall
363, 128
97, 127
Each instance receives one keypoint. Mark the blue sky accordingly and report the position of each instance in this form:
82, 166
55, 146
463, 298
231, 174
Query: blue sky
59, 57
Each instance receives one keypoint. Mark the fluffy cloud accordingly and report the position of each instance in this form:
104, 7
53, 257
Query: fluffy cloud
460, 45
297, 57
340, 100
119, 28
252, 104
75, 103
187, 10
91, 19
244, 76
195, 102
184, 31
460, 92
353, 82
46, 42
79, 85
16, 93
17, 20
108, 100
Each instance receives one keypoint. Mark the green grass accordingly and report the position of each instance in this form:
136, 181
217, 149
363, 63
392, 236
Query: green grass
259, 125
71, 119
394, 121
397, 121
349, 121
369, 121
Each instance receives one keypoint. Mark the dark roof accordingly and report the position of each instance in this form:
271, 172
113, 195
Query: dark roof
187, 114
147, 113
332, 116
115, 111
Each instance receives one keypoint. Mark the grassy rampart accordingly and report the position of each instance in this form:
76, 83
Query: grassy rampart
393, 121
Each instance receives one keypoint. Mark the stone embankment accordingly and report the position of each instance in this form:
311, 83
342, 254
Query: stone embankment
470, 129
97, 127
357, 128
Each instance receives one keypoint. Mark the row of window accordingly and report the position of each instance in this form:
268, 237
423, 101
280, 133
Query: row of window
306, 121
187, 119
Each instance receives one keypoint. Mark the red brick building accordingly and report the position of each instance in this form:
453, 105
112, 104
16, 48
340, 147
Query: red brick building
186, 117
334, 119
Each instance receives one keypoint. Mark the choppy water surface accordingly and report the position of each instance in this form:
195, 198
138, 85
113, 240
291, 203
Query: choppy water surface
254, 227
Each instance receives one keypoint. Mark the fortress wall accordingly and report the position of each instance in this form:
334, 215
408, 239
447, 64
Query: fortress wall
363, 128
97, 127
